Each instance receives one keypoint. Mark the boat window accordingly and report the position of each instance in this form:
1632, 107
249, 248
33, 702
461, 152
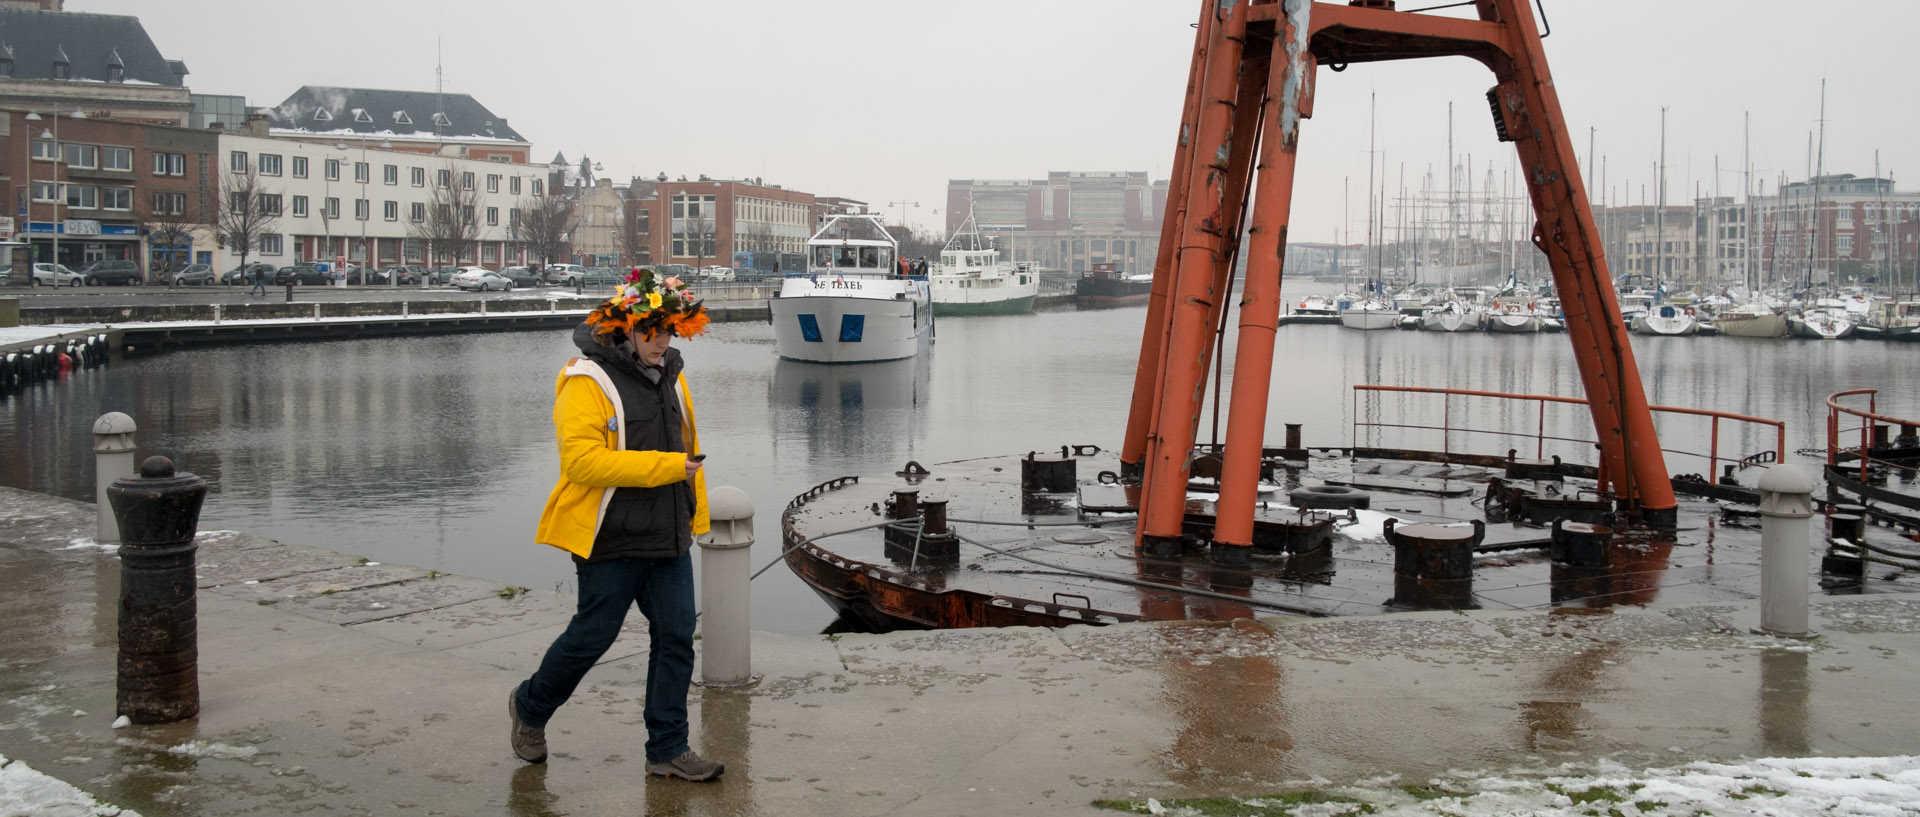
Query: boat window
843, 256
823, 256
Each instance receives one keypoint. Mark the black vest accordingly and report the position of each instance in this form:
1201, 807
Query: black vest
647, 523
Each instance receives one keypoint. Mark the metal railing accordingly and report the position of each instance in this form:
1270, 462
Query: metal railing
1870, 422
1542, 437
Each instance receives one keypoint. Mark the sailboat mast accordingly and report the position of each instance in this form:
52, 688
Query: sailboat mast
1819, 170
1746, 205
1660, 214
1371, 107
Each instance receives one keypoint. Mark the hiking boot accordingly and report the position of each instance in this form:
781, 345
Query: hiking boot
529, 743
689, 765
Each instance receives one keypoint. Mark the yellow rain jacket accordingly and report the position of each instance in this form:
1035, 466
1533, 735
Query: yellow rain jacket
593, 461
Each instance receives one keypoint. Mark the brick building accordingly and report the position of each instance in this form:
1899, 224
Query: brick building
1068, 220
88, 189
705, 221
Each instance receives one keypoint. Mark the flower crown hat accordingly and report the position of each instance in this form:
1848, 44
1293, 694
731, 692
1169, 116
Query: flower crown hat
646, 304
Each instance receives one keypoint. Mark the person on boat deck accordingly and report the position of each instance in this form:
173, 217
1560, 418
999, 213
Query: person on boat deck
905, 267
629, 501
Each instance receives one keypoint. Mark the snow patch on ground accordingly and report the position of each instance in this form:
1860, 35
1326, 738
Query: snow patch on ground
220, 751
24, 790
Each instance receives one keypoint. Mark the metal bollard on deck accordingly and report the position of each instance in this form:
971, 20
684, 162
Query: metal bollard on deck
112, 459
158, 678
726, 645
1786, 503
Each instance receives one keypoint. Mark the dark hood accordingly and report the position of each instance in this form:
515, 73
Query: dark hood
621, 356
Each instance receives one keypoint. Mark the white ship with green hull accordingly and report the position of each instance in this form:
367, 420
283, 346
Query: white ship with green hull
972, 280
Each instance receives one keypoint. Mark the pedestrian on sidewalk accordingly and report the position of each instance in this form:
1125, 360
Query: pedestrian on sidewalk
628, 503
259, 275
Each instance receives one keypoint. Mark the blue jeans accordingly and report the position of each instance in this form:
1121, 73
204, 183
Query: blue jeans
663, 589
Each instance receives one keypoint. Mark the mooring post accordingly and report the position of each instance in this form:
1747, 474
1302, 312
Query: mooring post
112, 459
158, 678
1786, 503
726, 644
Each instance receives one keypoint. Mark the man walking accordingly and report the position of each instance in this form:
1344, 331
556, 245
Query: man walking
628, 503
258, 273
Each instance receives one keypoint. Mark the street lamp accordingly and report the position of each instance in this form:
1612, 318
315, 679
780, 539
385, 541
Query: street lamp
59, 159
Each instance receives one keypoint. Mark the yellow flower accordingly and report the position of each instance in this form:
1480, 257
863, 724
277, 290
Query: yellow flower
653, 299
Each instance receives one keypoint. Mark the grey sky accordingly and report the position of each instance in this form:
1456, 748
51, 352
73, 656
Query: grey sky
885, 101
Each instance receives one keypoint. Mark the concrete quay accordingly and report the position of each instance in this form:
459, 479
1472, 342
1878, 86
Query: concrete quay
329, 685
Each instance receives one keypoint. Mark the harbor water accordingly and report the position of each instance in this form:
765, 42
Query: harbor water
439, 452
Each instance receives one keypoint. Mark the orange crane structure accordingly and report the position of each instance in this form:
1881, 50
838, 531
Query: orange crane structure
1251, 85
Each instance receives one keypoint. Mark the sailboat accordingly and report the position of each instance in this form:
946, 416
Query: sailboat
1667, 319
1374, 310
1448, 313
1753, 319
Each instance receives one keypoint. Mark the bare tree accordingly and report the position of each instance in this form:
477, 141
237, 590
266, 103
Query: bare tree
628, 239
450, 229
246, 213
699, 239
544, 221
916, 242
168, 229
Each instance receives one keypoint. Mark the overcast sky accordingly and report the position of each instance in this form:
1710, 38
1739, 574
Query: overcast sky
886, 101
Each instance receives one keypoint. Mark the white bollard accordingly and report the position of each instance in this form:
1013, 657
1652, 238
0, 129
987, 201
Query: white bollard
726, 646
112, 459
1786, 502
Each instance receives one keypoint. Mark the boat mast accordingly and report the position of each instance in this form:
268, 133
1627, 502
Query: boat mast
1660, 215
1747, 278
1378, 286
1819, 170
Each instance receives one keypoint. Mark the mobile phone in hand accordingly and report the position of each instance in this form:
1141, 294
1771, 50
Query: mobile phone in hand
696, 457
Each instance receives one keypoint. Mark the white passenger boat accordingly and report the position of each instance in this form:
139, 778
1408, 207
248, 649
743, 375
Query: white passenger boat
1667, 319
852, 305
971, 279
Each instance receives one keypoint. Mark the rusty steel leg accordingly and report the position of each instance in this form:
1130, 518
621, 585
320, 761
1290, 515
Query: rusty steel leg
1194, 299
1292, 73
1133, 446
1529, 108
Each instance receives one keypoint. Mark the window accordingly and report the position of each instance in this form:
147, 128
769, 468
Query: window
62, 70
442, 120
299, 167
270, 244
270, 204
236, 202
269, 164
401, 118
390, 174
513, 185
493, 216
237, 161
416, 212
466, 213
116, 198
361, 115
466, 181
418, 176
390, 211
333, 208
443, 179
45, 151
362, 172
46, 192
299, 206
362, 209
493, 183
321, 115
169, 164
169, 204
537, 187
86, 156
120, 159
83, 196
333, 170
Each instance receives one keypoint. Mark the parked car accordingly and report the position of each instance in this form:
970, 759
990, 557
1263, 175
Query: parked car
303, 275
602, 277
113, 272
481, 279
49, 275
521, 276
563, 274
444, 275
199, 274
716, 274
410, 275
243, 275
360, 276
680, 271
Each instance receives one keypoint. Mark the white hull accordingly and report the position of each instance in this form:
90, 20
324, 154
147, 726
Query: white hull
1448, 321
1820, 326
1751, 326
830, 328
1673, 325
1513, 322
1370, 318
1010, 294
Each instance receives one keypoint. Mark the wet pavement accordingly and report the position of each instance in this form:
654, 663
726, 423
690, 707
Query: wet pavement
333, 686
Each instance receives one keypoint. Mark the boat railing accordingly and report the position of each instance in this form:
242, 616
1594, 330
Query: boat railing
1854, 435
1545, 437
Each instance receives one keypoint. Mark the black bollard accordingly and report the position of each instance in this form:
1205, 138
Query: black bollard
289, 290
158, 513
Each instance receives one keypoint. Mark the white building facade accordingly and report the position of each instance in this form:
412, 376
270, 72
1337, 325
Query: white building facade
357, 203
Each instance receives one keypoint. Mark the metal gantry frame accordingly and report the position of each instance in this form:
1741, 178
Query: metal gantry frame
1251, 83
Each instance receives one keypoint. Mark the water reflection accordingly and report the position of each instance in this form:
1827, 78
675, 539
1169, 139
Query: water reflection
863, 413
